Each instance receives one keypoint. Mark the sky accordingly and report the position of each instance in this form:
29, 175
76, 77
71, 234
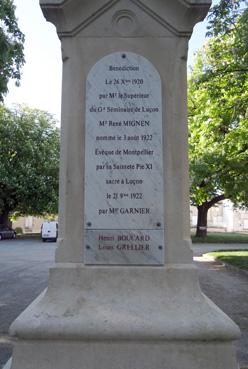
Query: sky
42, 73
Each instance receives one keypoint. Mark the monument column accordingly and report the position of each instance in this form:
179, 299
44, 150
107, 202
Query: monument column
124, 291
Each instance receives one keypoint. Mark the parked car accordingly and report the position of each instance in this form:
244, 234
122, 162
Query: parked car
6, 232
49, 231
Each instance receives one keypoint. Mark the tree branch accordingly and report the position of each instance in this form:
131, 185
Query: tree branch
215, 200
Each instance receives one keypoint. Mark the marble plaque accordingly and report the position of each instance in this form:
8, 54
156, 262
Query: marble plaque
123, 162
134, 247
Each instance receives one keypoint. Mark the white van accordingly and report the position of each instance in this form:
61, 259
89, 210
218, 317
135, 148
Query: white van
49, 231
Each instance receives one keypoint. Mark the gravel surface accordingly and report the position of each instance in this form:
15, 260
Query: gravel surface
228, 288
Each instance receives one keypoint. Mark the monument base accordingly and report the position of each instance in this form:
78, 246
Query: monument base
144, 317
124, 355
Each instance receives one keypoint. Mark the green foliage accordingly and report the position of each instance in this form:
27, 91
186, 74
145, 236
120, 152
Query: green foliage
29, 151
223, 16
19, 230
11, 46
235, 258
218, 117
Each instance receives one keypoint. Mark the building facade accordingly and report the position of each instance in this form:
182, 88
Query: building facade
223, 217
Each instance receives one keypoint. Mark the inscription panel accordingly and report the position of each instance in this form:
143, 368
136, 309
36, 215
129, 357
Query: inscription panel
136, 247
123, 162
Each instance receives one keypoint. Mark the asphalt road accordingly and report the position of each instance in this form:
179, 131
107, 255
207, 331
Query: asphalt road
24, 266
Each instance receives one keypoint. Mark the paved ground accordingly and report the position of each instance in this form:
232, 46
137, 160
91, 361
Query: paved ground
228, 288
24, 272
23, 275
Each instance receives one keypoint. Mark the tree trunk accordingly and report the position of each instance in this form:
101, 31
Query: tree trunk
4, 219
202, 220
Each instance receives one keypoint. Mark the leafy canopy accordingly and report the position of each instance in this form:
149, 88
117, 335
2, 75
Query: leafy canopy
29, 151
218, 113
11, 46
223, 16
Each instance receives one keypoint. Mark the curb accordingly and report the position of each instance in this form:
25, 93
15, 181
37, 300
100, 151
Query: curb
245, 272
228, 266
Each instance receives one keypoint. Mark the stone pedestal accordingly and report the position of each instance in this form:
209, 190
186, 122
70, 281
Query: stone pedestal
133, 304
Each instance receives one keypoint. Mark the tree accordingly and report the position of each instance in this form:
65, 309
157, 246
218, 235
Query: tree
218, 119
29, 151
11, 46
222, 18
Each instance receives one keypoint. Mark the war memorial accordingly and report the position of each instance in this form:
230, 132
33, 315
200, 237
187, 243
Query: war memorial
124, 292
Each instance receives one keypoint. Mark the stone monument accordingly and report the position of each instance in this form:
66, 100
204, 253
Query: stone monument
124, 292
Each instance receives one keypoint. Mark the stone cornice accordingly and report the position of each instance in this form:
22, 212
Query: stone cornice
177, 16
